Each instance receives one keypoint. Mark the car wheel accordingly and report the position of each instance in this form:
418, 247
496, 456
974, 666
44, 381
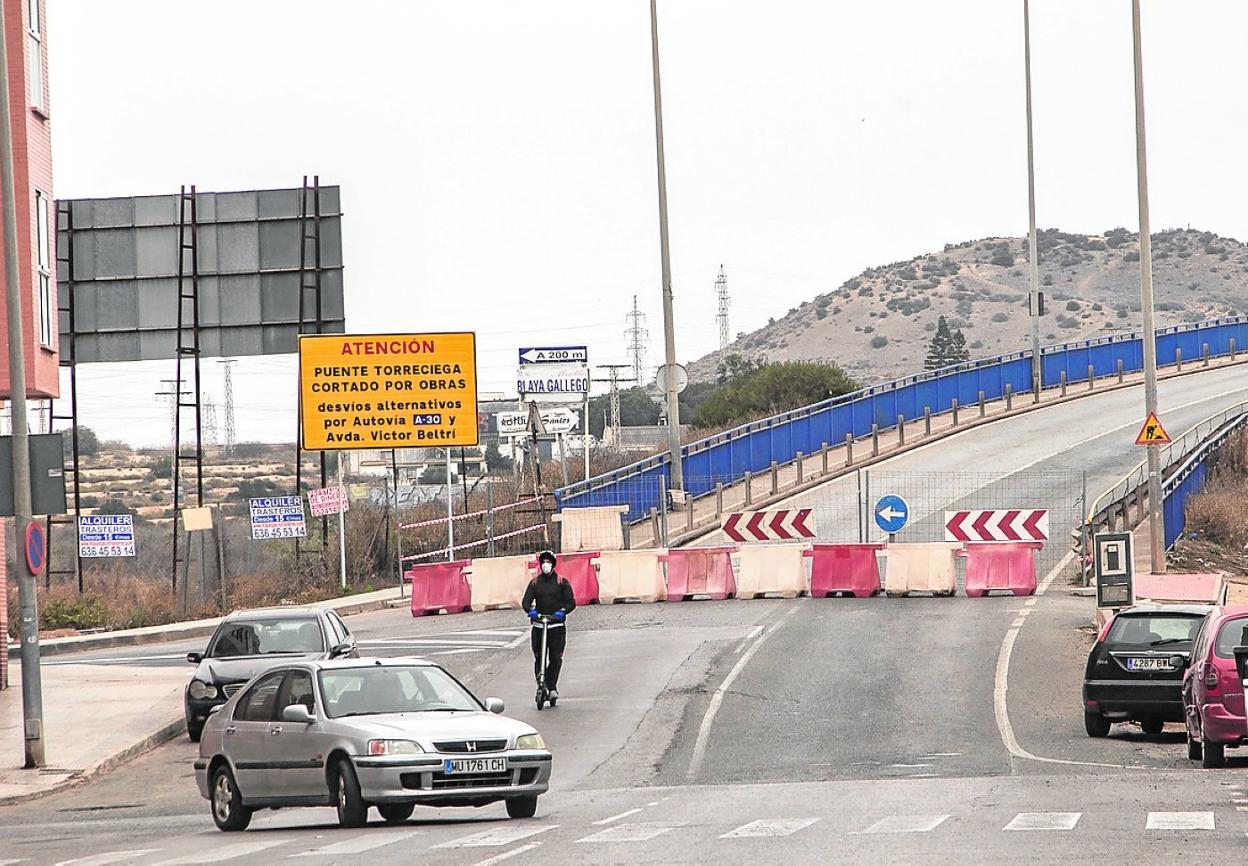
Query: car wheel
194, 732
1214, 755
352, 809
228, 811
1152, 727
1095, 724
396, 813
1193, 749
521, 807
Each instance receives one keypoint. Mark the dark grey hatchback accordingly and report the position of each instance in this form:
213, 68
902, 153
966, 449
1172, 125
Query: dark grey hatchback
250, 642
1135, 669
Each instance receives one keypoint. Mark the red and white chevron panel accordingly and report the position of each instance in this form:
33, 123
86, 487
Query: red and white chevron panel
786, 525
1014, 524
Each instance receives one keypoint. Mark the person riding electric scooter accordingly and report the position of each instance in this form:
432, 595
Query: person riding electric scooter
547, 601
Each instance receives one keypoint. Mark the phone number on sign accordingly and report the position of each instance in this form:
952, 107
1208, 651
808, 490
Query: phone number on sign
107, 550
261, 532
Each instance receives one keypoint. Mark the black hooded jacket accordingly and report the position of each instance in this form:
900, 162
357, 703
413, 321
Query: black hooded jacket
551, 593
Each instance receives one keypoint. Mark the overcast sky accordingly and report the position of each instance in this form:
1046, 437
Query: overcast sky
497, 158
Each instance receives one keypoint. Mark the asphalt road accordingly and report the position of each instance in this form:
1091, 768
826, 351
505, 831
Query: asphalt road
809, 731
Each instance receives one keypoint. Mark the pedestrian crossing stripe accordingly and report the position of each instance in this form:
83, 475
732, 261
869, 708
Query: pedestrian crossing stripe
1152, 433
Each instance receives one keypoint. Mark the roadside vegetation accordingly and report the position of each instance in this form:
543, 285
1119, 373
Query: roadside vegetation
1215, 537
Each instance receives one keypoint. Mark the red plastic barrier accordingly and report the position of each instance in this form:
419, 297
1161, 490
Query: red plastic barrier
700, 571
438, 586
1009, 565
844, 568
578, 570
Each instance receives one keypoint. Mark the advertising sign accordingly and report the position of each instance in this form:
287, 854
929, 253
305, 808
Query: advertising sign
105, 535
277, 517
387, 391
556, 421
328, 500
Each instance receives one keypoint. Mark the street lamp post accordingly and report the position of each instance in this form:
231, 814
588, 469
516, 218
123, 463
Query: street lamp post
1034, 268
669, 332
1156, 527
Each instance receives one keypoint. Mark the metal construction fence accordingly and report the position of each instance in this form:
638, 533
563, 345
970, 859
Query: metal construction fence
727, 457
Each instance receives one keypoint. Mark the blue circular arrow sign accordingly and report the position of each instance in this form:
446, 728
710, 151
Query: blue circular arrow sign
891, 513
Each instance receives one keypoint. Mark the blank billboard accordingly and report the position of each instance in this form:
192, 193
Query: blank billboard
125, 267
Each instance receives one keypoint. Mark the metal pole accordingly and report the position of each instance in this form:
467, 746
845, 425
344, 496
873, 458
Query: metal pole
585, 435
398, 523
27, 583
342, 525
450, 512
1156, 526
669, 329
1034, 267
489, 519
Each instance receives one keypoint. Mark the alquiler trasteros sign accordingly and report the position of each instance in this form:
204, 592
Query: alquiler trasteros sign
387, 390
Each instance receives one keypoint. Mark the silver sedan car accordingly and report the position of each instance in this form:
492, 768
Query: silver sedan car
355, 733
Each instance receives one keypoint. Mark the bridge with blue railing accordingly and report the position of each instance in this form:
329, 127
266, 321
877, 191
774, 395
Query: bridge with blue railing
726, 457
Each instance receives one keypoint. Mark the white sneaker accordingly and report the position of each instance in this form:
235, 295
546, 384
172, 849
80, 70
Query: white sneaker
554, 694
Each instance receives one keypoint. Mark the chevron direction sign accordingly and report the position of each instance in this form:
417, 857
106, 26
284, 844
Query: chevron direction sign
1018, 524
786, 525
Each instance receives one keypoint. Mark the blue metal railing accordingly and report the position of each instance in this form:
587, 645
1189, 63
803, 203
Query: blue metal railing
1189, 478
726, 457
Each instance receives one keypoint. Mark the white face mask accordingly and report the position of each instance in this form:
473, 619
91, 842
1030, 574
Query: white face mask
547, 568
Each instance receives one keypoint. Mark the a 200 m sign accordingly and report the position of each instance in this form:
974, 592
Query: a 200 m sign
387, 390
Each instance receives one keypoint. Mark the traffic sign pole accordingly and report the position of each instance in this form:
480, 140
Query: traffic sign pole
27, 585
342, 525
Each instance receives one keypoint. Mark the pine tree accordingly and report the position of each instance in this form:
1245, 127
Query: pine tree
960, 353
941, 347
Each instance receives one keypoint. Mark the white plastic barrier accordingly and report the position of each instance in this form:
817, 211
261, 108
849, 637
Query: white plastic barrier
631, 574
596, 528
920, 568
499, 582
778, 569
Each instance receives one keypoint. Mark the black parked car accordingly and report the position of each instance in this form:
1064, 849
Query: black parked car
249, 642
1135, 669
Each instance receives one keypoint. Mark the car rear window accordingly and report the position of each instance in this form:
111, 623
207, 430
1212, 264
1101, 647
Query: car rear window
267, 637
1154, 629
1230, 636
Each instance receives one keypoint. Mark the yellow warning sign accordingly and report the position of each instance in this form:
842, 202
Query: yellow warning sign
1152, 433
387, 391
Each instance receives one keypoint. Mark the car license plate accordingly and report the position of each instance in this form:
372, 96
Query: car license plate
475, 765
1148, 664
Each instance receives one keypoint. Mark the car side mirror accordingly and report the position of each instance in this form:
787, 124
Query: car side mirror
194, 658
298, 714
340, 650
495, 705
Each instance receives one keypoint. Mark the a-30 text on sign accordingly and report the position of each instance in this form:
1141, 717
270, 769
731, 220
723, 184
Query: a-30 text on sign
388, 390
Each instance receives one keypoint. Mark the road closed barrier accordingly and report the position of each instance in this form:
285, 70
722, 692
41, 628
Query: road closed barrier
578, 570
1009, 566
594, 528
439, 586
631, 574
499, 582
851, 569
920, 568
700, 571
772, 569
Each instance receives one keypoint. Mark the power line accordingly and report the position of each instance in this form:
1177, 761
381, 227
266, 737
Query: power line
637, 337
721, 295
613, 371
227, 365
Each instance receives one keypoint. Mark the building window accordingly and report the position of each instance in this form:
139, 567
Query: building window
43, 274
34, 39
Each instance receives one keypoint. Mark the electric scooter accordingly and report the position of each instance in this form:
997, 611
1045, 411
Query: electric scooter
543, 693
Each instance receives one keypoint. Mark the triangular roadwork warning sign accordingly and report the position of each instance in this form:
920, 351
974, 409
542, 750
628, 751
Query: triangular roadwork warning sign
1152, 433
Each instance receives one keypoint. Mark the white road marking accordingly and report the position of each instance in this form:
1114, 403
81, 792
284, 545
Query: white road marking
749, 637
509, 632
704, 730
631, 832
769, 827
923, 776
496, 838
507, 855
942, 755
1031, 601
11, 862
1001, 685
1179, 821
72, 660
414, 641
455, 652
100, 859
228, 852
615, 818
357, 844
907, 824
1044, 821
1018, 622
909, 766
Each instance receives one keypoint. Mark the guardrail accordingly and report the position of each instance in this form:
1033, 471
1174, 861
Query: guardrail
1179, 460
726, 457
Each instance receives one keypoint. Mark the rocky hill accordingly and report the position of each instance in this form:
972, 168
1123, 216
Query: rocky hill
877, 325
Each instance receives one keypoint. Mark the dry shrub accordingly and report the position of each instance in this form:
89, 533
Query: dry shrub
1219, 513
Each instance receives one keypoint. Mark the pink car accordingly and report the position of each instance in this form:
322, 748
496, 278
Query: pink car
1213, 696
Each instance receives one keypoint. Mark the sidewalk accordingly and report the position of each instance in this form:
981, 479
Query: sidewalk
95, 717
